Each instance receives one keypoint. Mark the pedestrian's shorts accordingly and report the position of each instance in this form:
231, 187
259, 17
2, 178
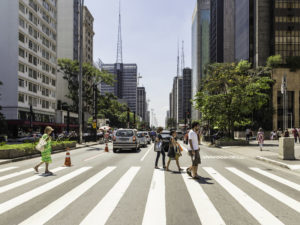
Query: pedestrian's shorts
196, 160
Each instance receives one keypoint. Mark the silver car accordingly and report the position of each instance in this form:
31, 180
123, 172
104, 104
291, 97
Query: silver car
142, 139
125, 139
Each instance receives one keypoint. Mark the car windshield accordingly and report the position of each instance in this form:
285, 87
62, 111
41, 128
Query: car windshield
124, 133
140, 135
165, 135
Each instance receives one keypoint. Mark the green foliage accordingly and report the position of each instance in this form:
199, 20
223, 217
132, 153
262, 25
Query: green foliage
2, 143
90, 75
274, 61
293, 62
231, 93
29, 145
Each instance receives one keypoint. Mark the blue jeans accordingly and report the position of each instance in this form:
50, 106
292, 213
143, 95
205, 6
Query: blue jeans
163, 157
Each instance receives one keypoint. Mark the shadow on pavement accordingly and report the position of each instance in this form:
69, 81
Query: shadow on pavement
94, 149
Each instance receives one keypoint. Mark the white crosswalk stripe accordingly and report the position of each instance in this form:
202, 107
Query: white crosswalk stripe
277, 178
263, 216
10, 204
54, 208
292, 203
107, 205
207, 213
156, 213
8, 168
16, 174
26, 181
155, 208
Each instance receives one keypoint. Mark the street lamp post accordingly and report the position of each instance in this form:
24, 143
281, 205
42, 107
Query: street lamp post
80, 72
285, 102
95, 111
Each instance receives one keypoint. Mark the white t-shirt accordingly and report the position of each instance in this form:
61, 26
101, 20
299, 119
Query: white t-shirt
194, 137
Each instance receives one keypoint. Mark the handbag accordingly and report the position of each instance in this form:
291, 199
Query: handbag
157, 146
41, 145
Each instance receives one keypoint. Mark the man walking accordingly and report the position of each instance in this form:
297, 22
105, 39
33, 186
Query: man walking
194, 150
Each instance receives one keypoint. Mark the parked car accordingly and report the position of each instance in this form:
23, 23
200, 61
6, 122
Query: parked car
125, 139
147, 137
31, 138
142, 139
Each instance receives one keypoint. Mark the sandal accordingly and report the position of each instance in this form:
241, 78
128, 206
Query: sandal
189, 172
156, 167
36, 169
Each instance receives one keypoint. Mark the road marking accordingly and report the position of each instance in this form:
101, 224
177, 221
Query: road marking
8, 168
222, 157
277, 178
100, 214
57, 206
10, 204
262, 215
292, 203
93, 157
207, 213
155, 211
26, 181
16, 174
142, 159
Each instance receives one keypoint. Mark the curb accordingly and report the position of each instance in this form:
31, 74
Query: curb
6, 161
284, 165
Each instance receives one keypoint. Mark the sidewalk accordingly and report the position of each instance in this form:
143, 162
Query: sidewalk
83, 145
269, 154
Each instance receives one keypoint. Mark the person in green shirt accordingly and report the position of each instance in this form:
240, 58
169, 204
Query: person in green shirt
46, 154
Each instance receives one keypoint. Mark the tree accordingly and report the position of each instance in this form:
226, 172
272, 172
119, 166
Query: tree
171, 123
231, 93
90, 76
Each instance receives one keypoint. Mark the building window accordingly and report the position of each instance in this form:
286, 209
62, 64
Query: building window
45, 79
32, 73
21, 98
32, 87
33, 46
21, 68
21, 83
45, 92
32, 59
21, 37
33, 5
22, 8
45, 104
21, 22
53, 83
21, 53
32, 101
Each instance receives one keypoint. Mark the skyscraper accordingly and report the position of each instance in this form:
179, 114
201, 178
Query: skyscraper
187, 93
125, 86
141, 103
28, 63
200, 47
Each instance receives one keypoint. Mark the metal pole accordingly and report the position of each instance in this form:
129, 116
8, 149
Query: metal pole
80, 72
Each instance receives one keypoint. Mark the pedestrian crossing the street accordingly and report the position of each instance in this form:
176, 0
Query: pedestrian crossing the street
155, 207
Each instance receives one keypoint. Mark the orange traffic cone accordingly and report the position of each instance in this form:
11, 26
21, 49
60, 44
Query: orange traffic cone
68, 158
106, 148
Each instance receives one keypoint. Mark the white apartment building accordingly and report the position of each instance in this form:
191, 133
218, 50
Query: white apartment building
28, 61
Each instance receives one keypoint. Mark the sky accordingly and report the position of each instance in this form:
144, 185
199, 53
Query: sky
151, 30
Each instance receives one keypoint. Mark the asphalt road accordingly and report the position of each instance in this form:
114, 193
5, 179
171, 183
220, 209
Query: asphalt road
125, 189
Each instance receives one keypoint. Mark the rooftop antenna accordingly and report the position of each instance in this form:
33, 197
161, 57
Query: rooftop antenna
182, 58
138, 79
178, 70
119, 44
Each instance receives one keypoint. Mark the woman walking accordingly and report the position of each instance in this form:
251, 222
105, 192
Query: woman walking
260, 138
174, 151
46, 154
162, 150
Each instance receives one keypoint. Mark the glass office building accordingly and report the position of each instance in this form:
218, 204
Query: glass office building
125, 87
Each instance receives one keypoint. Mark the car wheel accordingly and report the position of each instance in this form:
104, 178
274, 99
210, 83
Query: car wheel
115, 150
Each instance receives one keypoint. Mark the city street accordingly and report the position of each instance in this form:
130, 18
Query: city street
125, 189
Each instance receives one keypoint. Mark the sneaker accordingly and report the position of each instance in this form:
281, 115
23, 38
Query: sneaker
189, 172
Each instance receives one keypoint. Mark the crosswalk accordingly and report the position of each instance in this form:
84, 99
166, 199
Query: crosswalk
228, 179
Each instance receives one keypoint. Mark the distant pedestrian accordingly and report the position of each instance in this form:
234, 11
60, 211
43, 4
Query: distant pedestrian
296, 134
174, 151
162, 149
194, 150
279, 133
260, 138
247, 134
46, 154
286, 133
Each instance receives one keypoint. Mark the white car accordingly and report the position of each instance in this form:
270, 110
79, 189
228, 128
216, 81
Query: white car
125, 139
142, 139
